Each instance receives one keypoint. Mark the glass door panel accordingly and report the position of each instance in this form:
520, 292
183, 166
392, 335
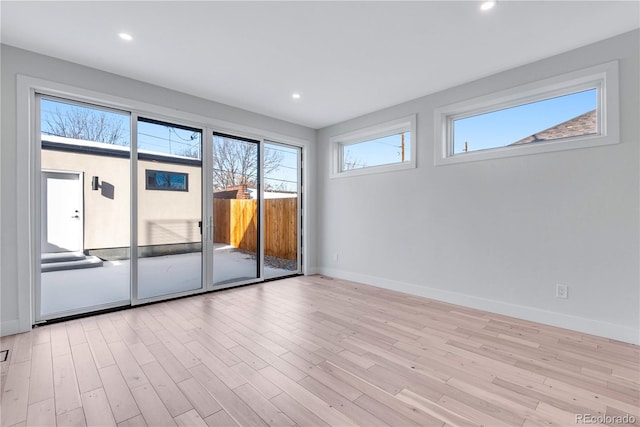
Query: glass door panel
85, 206
236, 208
169, 219
282, 193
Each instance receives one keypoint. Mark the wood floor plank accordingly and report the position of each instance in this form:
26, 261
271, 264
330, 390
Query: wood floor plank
219, 368
386, 414
312, 351
86, 370
202, 401
99, 349
137, 421
65, 384
59, 340
341, 403
131, 371
75, 333
307, 399
229, 401
15, 397
261, 405
221, 419
126, 332
120, 398
151, 406
96, 408
257, 380
42, 414
141, 353
301, 415
248, 357
174, 368
177, 348
41, 335
74, 418
216, 348
383, 397
22, 348
190, 419
41, 385
173, 399
319, 374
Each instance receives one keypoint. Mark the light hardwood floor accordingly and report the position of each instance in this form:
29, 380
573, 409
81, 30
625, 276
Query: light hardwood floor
312, 351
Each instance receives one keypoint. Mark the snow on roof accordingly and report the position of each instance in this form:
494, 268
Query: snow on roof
72, 142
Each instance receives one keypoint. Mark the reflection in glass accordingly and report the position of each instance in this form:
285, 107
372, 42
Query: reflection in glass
169, 209
281, 214
85, 194
236, 195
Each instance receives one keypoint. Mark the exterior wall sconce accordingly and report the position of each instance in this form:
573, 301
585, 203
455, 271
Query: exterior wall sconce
94, 183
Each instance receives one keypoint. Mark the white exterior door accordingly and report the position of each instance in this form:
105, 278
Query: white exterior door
62, 214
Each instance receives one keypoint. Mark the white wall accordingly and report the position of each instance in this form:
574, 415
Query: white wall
14, 275
499, 234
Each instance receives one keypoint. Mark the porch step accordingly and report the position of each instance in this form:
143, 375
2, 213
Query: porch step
47, 258
84, 262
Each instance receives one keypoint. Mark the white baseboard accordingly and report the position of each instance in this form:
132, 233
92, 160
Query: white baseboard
574, 323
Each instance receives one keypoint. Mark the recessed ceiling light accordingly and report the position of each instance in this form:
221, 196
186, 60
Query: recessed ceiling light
487, 5
125, 36
296, 95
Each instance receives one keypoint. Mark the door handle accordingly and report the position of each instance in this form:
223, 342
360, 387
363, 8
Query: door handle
75, 216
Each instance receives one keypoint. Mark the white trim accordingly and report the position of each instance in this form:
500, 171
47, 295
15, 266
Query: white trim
392, 127
604, 77
25, 165
552, 318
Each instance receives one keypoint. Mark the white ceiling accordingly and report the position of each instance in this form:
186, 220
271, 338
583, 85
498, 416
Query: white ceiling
345, 58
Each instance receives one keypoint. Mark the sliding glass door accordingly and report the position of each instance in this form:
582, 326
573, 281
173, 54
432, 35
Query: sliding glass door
84, 208
236, 209
169, 209
201, 210
282, 206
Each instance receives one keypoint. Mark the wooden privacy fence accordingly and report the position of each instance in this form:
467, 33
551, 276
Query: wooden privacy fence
236, 224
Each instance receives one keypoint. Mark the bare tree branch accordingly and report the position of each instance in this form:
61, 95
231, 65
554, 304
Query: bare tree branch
86, 124
235, 162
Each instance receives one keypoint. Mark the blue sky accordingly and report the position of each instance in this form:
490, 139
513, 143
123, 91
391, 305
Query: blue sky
172, 140
503, 127
379, 151
496, 129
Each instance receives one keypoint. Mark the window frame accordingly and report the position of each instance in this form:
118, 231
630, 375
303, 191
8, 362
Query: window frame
603, 77
147, 172
338, 142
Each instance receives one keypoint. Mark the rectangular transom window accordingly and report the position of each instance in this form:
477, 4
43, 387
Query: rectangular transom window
380, 148
576, 110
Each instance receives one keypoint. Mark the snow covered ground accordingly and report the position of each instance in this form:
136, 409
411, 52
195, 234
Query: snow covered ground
68, 290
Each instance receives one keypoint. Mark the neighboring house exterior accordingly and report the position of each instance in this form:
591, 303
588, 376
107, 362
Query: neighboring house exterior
584, 124
168, 220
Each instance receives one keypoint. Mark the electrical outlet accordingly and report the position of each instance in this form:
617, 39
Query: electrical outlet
562, 291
